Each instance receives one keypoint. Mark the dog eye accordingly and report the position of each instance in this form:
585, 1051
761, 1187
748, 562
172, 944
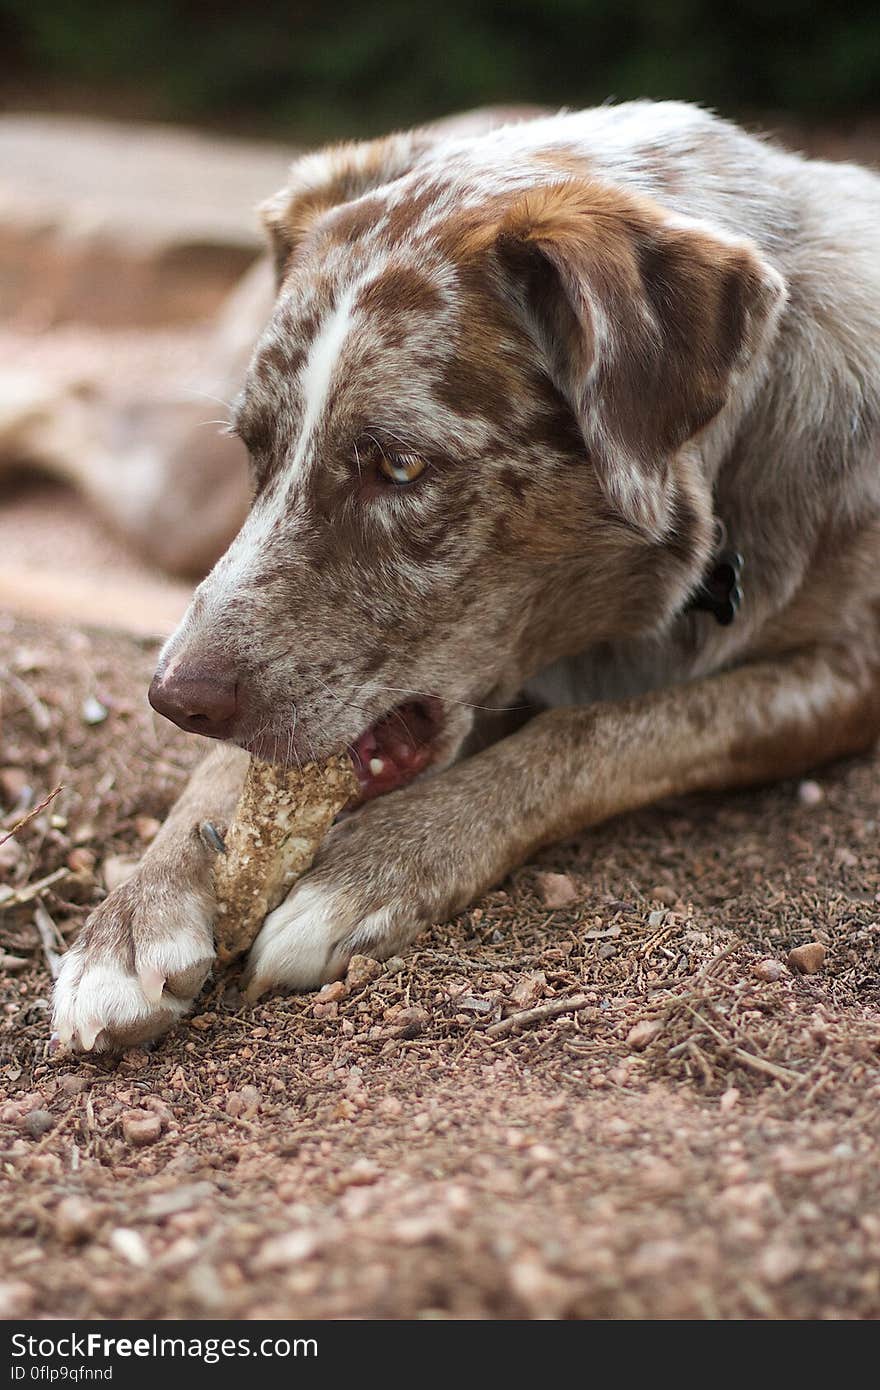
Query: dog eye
401, 468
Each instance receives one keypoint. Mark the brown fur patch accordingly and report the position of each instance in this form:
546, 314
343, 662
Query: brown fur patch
400, 289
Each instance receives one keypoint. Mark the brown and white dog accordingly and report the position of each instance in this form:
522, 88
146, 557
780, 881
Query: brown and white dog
514, 385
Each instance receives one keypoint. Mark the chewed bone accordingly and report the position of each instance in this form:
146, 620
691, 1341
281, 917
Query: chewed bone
282, 817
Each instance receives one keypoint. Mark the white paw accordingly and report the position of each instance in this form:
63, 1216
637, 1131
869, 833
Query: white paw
134, 970
311, 937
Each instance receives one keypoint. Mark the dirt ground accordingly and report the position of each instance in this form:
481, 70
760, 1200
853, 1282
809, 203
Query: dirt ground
386, 1149
689, 1130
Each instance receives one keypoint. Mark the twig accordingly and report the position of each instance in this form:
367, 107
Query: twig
526, 1017
700, 1059
48, 936
39, 714
748, 1059
714, 961
14, 897
754, 1063
30, 815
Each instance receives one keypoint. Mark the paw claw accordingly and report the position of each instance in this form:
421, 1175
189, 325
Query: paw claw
152, 983
89, 1033
254, 990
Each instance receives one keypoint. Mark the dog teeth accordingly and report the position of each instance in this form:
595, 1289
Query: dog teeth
377, 766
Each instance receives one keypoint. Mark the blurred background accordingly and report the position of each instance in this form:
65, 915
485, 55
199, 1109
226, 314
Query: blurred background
318, 68
137, 139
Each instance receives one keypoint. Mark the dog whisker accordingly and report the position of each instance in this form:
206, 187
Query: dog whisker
209, 396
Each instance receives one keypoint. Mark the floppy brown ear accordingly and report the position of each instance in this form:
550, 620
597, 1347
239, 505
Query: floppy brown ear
645, 321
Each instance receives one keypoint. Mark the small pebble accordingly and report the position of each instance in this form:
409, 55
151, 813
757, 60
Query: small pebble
16, 1299
287, 1249
243, 1104
768, 969
147, 828
141, 1127
81, 861
92, 711
662, 893
332, 993
807, 959
778, 1263
73, 1085
13, 784
75, 1220
470, 1004
330, 1010
179, 1199
131, 1246
543, 1293
37, 1123
361, 970
408, 1022
12, 1112
557, 890
11, 855
810, 794
643, 1033
529, 989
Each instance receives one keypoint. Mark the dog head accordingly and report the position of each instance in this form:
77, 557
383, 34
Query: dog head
469, 422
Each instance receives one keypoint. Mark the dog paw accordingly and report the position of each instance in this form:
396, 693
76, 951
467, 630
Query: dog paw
365, 893
311, 937
136, 967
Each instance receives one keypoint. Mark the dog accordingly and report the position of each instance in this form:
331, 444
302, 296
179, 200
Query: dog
565, 451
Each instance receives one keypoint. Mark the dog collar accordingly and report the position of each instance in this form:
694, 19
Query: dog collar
720, 592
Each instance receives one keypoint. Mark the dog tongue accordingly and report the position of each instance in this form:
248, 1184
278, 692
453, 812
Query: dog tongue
393, 750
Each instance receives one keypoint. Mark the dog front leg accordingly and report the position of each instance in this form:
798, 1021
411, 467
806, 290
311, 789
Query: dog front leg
421, 854
143, 955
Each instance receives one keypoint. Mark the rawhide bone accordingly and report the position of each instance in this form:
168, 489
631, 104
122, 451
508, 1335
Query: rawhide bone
282, 816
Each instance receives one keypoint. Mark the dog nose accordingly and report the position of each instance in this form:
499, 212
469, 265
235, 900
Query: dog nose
200, 703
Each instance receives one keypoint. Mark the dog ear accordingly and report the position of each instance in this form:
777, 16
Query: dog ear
645, 321
327, 179
341, 173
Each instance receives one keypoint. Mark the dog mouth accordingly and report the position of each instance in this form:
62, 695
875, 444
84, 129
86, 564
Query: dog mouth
397, 747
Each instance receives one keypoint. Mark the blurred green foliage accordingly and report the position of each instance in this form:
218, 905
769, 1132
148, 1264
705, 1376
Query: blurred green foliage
345, 65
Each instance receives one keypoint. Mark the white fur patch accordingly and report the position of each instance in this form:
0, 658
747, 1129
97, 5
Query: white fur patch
310, 938
295, 946
317, 375
100, 1003
234, 570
